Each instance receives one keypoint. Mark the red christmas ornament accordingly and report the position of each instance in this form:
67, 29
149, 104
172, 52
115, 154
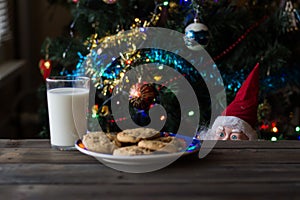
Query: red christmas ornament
142, 96
45, 68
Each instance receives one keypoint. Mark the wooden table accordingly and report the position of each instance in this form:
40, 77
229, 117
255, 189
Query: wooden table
30, 169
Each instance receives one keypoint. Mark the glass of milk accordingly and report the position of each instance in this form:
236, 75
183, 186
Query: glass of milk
68, 99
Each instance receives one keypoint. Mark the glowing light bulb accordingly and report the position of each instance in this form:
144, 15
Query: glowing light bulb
274, 139
47, 64
162, 118
297, 128
275, 129
191, 113
157, 78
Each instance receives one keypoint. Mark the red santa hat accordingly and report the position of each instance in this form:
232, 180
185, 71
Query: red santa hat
241, 113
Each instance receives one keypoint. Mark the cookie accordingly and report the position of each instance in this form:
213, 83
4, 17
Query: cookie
171, 148
152, 144
135, 135
171, 145
131, 151
113, 138
166, 139
98, 142
175, 145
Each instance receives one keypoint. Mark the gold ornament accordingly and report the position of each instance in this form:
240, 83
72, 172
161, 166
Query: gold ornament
104, 111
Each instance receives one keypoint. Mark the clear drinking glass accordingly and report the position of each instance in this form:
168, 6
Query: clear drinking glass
68, 99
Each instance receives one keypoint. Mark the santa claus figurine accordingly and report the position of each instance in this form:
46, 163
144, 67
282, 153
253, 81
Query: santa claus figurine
238, 120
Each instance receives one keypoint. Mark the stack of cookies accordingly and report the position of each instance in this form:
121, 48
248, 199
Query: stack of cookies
130, 142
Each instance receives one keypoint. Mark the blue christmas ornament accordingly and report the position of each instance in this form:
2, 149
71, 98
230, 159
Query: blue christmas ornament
196, 36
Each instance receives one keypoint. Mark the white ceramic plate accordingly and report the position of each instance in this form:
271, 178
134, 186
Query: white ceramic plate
141, 163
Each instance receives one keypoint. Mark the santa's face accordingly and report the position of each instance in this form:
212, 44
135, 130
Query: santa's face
227, 133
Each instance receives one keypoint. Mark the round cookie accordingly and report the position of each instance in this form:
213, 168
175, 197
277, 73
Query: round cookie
126, 137
135, 135
98, 142
113, 138
175, 145
166, 139
171, 145
151, 144
131, 151
171, 148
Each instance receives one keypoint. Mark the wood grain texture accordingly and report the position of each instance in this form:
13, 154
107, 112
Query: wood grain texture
30, 169
261, 144
153, 191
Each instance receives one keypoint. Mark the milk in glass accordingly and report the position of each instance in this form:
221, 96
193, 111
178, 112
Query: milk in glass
67, 114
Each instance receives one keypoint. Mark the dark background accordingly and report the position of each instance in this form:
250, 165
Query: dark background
31, 21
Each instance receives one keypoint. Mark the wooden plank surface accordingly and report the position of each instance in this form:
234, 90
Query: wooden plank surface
154, 191
262, 144
35, 155
30, 169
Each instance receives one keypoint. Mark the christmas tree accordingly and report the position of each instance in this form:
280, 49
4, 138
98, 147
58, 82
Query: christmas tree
236, 34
